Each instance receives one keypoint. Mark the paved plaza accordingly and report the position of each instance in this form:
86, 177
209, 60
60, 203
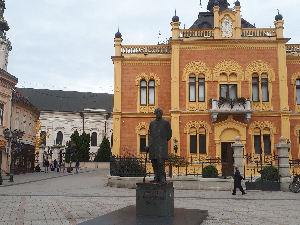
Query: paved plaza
63, 198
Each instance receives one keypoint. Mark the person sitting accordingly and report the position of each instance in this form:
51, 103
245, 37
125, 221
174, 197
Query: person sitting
38, 168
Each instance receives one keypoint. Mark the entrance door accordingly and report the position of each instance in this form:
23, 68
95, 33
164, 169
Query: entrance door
227, 159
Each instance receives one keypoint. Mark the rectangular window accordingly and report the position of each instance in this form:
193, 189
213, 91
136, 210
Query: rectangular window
17, 121
1, 113
201, 90
24, 123
264, 90
143, 92
142, 143
228, 90
257, 144
151, 92
267, 143
192, 89
298, 91
193, 143
255, 89
202, 143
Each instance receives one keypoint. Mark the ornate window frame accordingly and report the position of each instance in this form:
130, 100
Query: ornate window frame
198, 70
197, 125
229, 72
147, 78
260, 69
295, 77
141, 129
262, 126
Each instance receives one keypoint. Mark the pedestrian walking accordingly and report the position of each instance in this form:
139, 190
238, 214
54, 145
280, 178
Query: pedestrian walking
238, 182
46, 165
62, 166
52, 165
77, 165
57, 166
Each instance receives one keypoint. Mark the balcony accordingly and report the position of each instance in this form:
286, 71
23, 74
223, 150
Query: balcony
231, 106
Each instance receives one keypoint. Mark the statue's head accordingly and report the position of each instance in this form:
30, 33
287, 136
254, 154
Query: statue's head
158, 112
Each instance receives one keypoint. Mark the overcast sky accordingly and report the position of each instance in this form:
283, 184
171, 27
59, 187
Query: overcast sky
67, 44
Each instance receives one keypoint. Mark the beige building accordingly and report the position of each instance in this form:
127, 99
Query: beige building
7, 84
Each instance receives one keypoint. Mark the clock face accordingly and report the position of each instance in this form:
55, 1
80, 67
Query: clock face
226, 28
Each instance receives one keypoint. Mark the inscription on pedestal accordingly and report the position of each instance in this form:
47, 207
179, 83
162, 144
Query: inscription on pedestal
155, 199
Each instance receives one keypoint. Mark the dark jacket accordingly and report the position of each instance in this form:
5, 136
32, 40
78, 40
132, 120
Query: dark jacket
46, 163
160, 134
238, 178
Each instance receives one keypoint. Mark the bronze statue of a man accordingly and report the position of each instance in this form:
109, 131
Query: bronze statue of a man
160, 134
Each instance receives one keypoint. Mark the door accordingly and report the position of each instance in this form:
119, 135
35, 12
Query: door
227, 159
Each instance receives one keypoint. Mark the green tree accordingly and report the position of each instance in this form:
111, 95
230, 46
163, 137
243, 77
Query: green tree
78, 147
103, 154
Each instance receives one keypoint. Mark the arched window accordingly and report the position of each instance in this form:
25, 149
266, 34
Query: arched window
147, 95
59, 138
94, 139
260, 88
197, 88
262, 137
197, 137
142, 131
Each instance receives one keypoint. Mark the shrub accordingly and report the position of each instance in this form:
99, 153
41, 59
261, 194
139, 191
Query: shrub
103, 154
210, 172
127, 167
270, 173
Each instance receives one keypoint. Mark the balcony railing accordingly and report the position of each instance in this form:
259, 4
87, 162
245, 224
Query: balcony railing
149, 49
187, 33
229, 106
293, 48
256, 32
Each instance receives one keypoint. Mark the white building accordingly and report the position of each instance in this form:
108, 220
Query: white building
63, 112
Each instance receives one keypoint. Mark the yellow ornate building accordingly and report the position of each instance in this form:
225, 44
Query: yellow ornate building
219, 79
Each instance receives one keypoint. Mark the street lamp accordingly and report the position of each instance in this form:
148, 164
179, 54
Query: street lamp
13, 137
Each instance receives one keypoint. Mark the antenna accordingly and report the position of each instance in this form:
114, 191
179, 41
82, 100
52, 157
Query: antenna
200, 4
278, 11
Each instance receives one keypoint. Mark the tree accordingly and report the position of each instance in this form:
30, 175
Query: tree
103, 154
78, 147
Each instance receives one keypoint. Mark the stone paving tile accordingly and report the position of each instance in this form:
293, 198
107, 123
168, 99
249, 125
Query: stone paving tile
53, 198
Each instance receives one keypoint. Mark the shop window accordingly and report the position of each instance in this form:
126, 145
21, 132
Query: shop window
94, 139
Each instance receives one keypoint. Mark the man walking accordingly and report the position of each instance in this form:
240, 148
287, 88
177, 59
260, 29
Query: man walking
238, 182
77, 166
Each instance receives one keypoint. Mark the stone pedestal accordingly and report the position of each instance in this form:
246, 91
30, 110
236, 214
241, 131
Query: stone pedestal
155, 199
238, 154
283, 164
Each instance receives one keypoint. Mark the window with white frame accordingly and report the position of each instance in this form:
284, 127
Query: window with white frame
147, 92
17, 121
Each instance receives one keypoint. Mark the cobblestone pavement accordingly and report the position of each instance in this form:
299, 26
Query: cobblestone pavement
62, 198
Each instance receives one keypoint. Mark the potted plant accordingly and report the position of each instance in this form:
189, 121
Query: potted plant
224, 103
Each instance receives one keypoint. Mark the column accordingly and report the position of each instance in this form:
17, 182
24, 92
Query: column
237, 147
283, 164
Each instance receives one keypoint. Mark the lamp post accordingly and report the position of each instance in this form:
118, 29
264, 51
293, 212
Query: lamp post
12, 137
